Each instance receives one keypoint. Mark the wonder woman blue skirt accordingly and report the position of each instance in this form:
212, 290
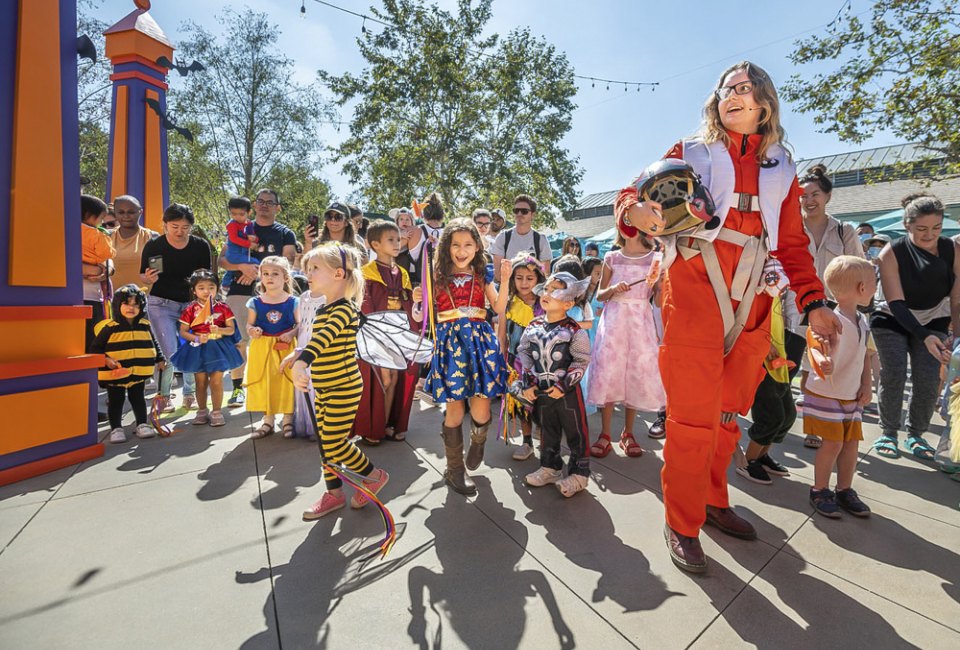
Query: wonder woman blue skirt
466, 362
216, 355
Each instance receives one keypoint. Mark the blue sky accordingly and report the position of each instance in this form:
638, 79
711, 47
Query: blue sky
682, 44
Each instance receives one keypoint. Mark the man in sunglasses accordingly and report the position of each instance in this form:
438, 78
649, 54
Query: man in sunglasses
522, 237
273, 238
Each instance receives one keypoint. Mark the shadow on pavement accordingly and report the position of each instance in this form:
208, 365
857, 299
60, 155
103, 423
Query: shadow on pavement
478, 591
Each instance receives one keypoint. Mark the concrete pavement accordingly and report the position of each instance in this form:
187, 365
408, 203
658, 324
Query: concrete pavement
196, 541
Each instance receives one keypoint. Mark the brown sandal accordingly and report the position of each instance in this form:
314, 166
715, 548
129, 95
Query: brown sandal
601, 447
629, 445
262, 431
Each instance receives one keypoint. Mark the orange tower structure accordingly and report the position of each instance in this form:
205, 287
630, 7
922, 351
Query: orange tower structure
48, 386
138, 143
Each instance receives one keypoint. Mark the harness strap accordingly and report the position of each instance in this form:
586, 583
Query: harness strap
746, 278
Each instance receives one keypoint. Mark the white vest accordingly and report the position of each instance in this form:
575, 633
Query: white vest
713, 164
715, 167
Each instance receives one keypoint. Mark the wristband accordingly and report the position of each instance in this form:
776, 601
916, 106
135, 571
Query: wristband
814, 304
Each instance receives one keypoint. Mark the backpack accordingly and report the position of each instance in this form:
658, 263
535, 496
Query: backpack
536, 242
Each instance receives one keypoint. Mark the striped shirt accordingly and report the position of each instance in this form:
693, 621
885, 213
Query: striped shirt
131, 345
332, 350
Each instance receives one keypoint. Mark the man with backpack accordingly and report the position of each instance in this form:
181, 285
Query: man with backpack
522, 237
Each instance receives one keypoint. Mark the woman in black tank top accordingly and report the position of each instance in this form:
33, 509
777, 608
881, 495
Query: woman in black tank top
918, 276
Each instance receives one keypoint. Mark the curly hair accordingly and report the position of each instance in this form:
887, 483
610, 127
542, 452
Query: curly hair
764, 93
442, 262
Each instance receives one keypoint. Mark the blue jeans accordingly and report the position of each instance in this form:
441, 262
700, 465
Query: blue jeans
164, 316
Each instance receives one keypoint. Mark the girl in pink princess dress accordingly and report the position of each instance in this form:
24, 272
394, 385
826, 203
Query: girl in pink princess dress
623, 367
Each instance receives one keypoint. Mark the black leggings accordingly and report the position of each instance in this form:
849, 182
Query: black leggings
115, 398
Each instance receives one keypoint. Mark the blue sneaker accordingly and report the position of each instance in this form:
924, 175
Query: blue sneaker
849, 501
825, 502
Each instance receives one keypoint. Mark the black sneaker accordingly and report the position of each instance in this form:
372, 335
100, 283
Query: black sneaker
772, 466
825, 502
754, 471
849, 501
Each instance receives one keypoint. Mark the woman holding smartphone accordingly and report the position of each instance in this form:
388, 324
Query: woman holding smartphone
166, 265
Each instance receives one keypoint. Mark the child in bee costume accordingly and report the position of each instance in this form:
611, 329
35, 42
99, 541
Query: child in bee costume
553, 353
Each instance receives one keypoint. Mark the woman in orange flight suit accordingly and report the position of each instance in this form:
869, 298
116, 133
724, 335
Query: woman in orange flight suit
711, 359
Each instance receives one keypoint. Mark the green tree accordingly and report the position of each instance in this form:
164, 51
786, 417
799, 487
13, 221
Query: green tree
196, 179
93, 102
250, 112
443, 107
897, 71
302, 193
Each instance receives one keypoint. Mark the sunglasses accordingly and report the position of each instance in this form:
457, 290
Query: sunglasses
523, 211
333, 216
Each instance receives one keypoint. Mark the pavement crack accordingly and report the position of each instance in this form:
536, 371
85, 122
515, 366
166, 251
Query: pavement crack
266, 541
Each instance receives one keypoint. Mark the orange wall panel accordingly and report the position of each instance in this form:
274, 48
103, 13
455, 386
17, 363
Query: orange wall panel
152, 170
36, 195
118, 180
48, 415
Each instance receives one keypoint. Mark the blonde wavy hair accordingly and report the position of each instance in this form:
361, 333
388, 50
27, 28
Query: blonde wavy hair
284, 265
335, 256
764, 93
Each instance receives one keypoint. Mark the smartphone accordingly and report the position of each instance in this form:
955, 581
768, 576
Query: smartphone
156, 263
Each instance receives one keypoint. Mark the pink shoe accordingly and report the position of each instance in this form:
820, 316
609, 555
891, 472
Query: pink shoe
359, 499
327, 504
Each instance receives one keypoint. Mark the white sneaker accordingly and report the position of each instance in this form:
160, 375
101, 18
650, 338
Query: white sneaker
166, 405
118, 435
523, 452
543, 476
572, 484
145, 431
189, 402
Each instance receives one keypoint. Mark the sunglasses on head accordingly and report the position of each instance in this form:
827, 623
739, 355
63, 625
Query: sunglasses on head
523, 211
333, 216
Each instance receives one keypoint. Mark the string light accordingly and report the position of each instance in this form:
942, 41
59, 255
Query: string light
593, 80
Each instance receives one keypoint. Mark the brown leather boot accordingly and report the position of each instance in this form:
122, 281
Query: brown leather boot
685, 552
729, 522
455, 475
478, 438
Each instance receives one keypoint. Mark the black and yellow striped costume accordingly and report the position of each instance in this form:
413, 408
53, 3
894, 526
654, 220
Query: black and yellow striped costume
331, 356
131, 345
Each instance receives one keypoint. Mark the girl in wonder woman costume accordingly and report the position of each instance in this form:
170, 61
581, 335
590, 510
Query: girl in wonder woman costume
467, 363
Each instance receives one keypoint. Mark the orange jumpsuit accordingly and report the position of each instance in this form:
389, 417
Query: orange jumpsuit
699, 381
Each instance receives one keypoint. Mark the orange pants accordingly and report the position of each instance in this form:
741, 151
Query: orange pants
701, 383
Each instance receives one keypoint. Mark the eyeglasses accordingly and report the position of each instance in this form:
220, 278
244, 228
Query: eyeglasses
482, 224
742, 88
333, 216
269, 204
523, 211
